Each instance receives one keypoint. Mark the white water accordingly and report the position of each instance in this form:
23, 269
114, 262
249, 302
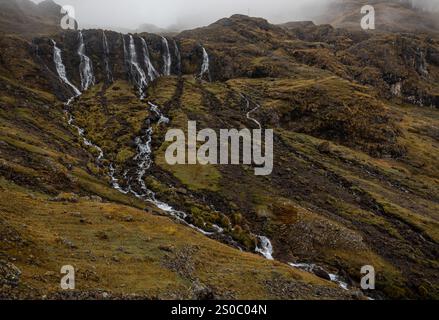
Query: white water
205, 66
81, 133
152, 72
126, 56
107, 57
248, 115
156, 110
178, 55
265, 248
114, 180
144, 151
167, 61
86, 66
309, 267
137, 72
144, 163
61, 69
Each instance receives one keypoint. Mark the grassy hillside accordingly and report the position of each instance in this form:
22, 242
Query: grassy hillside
354, 182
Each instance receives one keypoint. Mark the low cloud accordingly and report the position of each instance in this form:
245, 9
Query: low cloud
182, 14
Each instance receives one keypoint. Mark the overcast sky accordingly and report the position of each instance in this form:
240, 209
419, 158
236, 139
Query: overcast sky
190, 13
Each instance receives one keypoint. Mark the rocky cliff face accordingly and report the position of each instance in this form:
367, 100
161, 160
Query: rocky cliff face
244, 47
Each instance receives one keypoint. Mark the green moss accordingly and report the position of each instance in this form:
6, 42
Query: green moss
124, 155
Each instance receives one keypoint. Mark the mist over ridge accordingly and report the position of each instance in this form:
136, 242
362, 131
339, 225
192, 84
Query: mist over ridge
179, 15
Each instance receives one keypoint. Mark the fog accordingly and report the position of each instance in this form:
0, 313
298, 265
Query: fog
181, 14
184, 13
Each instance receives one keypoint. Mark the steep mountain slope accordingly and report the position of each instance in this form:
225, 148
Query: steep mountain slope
52, 214
355, 171
27, 18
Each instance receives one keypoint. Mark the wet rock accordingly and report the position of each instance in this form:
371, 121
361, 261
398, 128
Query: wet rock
181, 191
66, 242
319, 272
9, 274
167, 248
202, 292
325, 148
84, 221
181, 262
66, 197
96, 199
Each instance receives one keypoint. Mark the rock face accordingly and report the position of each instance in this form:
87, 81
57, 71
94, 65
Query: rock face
9, 274
240, 46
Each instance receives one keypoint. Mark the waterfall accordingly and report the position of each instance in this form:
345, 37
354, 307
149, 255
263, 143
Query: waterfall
152, 72
107, 57
266, 249
178, 55
162, 118
144, 162
248, 115
85, 67
166, 58
143, 144
137, 73
61, 69
126, 56
311, 267
81, 133
205, 66
264, 246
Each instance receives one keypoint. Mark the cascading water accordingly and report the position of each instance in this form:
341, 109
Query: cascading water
86, 66
144, 163
266, 248
61, 69
162, 118
310, 267
126, 56
114, 181
107, 58
81, 133
143, 156
178, 55
248, 115
167, 61
205, 66
137, 73
152, 72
